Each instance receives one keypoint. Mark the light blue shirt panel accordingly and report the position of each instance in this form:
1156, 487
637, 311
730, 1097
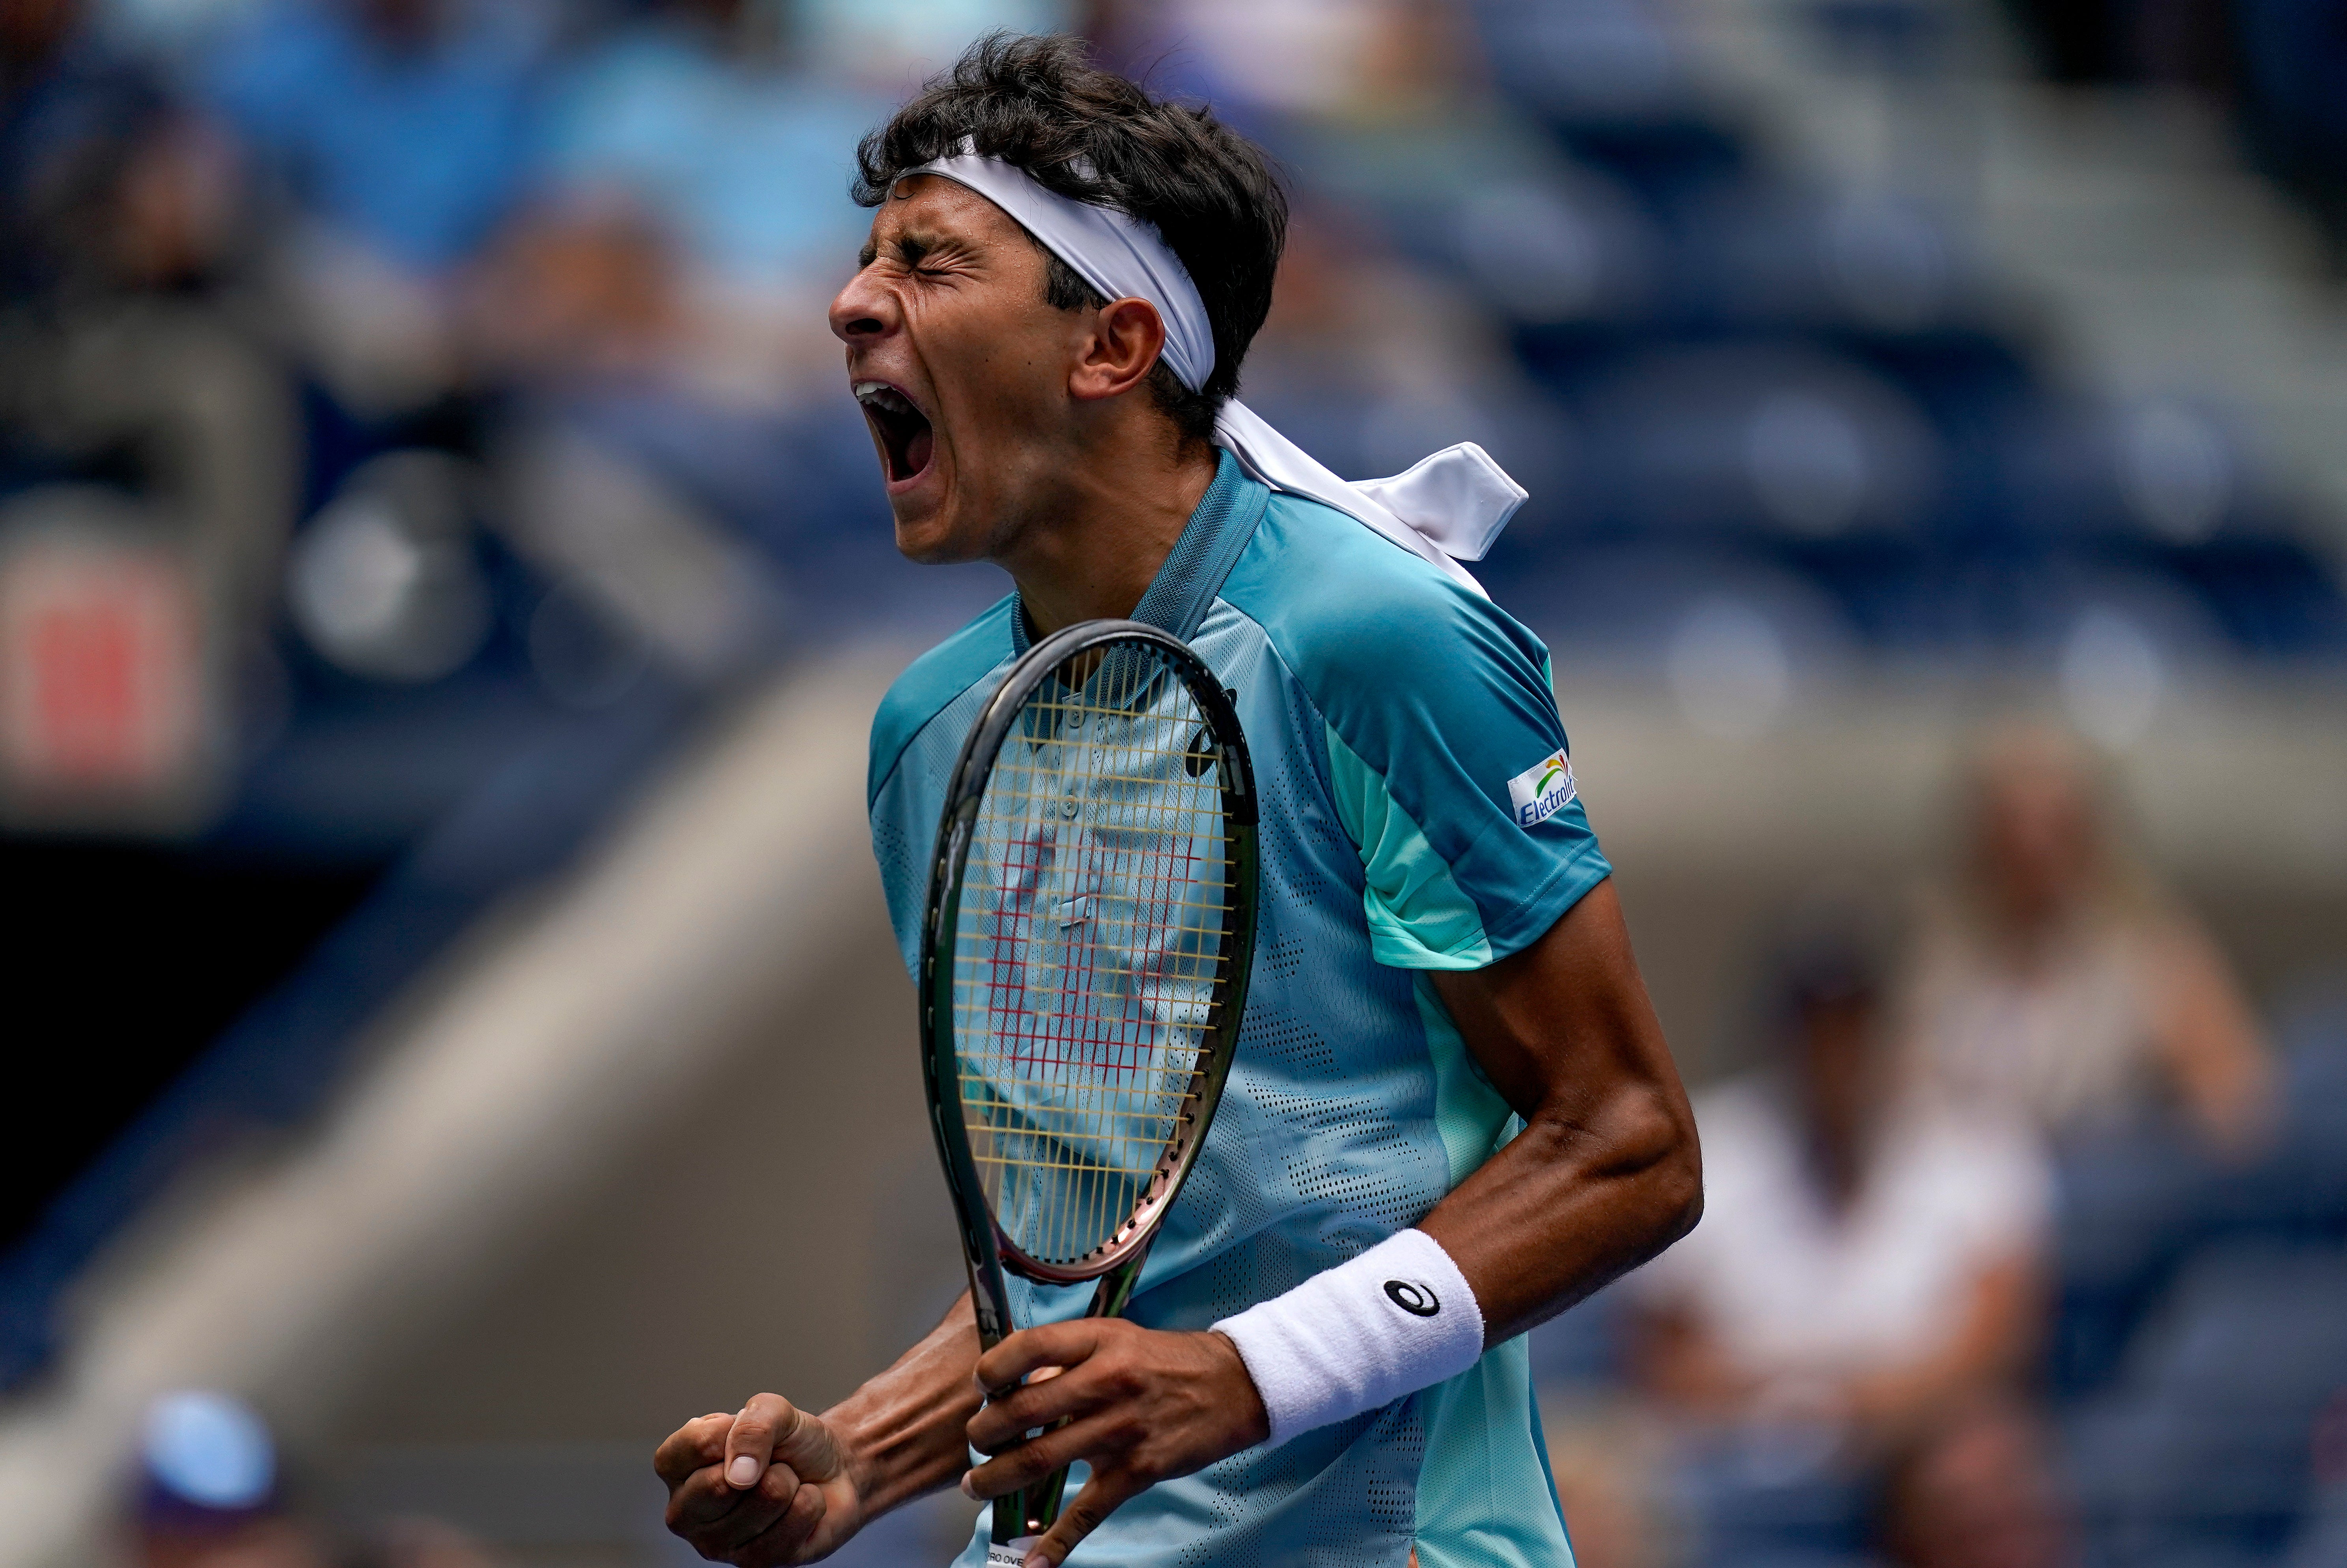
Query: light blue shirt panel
1419, 918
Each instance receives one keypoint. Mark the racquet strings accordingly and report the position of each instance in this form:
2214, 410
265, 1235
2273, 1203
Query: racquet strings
1097, 893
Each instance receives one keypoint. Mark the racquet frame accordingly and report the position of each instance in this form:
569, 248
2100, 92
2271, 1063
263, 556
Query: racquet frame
1116, 1265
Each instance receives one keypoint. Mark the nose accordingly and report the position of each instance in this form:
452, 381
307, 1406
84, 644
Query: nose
862, 312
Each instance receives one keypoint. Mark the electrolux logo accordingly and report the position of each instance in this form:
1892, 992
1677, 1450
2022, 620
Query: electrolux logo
1541, 790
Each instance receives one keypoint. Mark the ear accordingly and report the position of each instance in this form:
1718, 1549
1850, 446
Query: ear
1119, 351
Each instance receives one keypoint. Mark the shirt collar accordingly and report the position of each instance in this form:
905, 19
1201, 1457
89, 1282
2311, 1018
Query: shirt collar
1184, 588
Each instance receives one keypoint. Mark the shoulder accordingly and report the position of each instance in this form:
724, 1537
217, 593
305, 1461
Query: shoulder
931, 683
1359, 618
1445, 756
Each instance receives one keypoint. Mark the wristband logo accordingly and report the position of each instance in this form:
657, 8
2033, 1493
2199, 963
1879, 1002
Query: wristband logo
1412, 1297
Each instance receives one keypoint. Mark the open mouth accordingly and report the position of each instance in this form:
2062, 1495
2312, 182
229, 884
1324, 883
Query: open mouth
903, 430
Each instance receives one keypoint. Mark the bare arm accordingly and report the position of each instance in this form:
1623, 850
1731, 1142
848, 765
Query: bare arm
2210, 1042
1680, 1359
1606, 1172
773, 1484
1987, 1345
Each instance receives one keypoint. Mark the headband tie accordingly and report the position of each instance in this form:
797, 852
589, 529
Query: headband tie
1445, 509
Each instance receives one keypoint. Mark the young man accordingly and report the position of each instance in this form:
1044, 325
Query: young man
1452, 1113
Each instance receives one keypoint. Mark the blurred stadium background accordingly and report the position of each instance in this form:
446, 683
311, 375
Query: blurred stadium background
452, 1031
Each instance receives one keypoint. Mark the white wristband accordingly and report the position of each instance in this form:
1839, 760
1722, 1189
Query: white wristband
1396, 1319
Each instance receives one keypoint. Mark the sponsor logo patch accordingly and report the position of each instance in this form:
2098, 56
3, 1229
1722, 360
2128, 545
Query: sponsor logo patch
1542, 789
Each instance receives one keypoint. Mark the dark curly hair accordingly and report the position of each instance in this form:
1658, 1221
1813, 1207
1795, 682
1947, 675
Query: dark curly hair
1039, 102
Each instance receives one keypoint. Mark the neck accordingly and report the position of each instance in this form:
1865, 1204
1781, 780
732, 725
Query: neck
1113, 515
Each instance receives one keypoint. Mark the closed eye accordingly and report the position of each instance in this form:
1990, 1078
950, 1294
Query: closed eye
914, 255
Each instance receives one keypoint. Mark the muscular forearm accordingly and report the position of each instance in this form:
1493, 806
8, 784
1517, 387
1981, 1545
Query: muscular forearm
906, 1427
1566, 1206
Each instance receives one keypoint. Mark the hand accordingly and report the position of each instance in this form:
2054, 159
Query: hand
1143, 1405
769, 1486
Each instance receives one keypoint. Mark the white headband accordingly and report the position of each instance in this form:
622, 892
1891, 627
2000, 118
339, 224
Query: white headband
1446, 509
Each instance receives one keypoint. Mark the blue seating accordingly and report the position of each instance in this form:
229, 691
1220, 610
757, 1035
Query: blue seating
1770, 438
2200, 1451
2140, 1200
1632, 606
1766, 254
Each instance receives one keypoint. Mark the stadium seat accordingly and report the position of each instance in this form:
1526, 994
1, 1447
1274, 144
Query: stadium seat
2201, 1451
1773, 439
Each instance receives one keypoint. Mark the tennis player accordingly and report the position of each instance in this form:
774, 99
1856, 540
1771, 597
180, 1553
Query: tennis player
1452, 1113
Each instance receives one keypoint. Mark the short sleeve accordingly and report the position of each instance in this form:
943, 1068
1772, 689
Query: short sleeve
1448, 766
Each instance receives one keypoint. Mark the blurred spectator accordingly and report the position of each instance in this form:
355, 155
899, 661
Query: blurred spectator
394, 136
1370, 363
890, 46
209, 1494
2057, 983
657, 312
697, 174
149, 442
403, 125
56, 90
681, 453
1356, 60
1840, 1334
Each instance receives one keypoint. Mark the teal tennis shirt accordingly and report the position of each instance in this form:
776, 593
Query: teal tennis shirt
1418, 813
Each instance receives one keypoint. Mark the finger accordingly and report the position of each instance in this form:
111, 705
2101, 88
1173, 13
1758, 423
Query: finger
703, 1501
799, 1522
1031, 1350
1029, 1462
707, 1503
1003, 1423
754, 1516
1101, 1496
749, 1442
780, 1541
698, 1442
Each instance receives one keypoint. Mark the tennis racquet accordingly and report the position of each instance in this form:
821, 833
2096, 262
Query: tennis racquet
1083, 968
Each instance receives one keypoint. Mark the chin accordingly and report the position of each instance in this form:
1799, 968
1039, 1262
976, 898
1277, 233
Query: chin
931, 539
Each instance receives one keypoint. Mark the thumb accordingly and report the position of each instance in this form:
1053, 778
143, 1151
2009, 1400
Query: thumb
807, 1443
